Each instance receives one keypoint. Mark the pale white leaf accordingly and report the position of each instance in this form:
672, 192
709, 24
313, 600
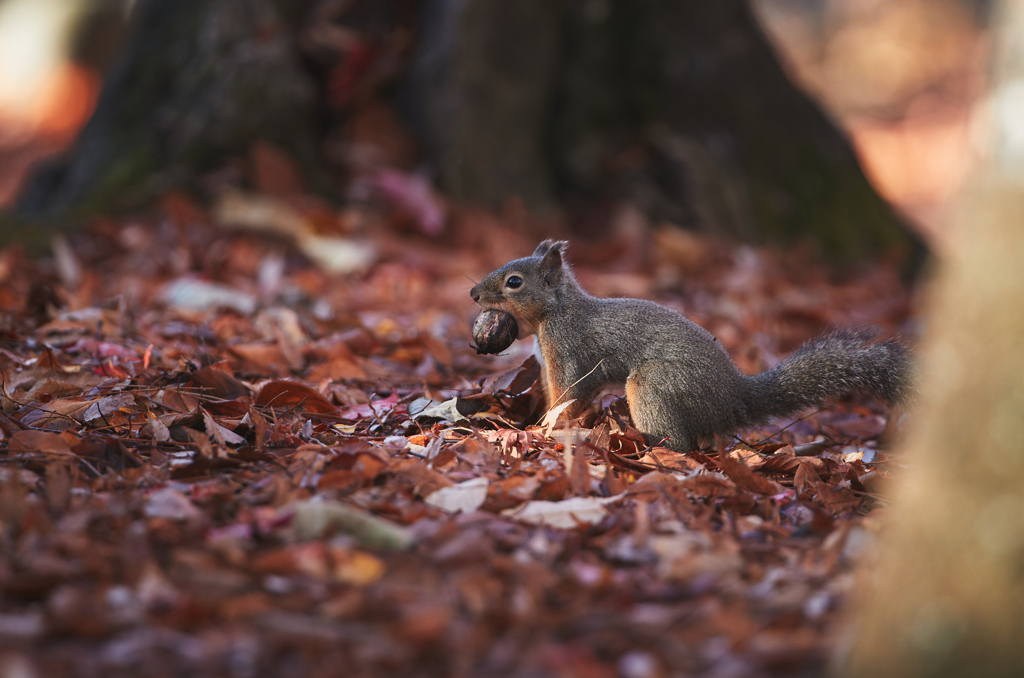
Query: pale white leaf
567, 514
338, 255
465, 497
446, 411
172, 504
155, 429
187, 294
552, 416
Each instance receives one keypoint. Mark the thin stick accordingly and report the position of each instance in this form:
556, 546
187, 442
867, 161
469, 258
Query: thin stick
574, 383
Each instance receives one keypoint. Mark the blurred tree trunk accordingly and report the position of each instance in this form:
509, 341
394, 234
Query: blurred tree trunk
679, 107
948, 598
195, 83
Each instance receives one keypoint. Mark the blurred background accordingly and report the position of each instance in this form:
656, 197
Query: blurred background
901, 77
383, 85
48, 87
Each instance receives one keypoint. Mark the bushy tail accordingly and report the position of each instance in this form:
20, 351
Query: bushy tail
828, 368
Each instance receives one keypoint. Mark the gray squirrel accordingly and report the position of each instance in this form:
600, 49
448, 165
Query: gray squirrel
681, 385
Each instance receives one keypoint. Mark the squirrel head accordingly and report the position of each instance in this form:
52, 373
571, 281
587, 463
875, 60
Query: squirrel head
528, 288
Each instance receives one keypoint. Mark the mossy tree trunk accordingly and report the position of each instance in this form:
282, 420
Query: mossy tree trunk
948, 596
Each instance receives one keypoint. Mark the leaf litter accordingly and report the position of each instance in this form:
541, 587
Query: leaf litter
255, 439
206, 466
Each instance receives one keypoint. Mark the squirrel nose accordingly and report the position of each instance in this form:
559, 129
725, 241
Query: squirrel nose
475, 293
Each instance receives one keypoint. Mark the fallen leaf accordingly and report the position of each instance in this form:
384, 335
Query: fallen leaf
744, 477
446, 411
155, 430
260, 213
568, 514
99, 411
262, 354
836, 500
337, 369
41, 442
337, 255
664, 457
263, 213
172, 504
189, 294
710, 485
551, 417
357, 568
222, 435
212, 381
806, 476
371, 409
291, 394
465, 497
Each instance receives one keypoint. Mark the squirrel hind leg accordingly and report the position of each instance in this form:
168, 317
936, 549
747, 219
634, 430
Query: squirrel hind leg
654, 416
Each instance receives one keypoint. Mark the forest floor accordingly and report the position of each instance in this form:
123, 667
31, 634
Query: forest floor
217, 459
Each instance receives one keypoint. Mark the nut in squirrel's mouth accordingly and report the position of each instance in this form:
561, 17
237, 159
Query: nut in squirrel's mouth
526, 326
494, 331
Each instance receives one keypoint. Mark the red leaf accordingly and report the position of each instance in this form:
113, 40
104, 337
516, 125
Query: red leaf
292, 394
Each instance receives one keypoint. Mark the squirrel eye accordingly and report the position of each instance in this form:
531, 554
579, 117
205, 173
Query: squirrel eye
514, 282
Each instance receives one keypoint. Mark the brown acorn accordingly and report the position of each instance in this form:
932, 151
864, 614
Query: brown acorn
494, 331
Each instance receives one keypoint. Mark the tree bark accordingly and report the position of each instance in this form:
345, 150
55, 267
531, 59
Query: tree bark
681, 108
948, 593
195, 83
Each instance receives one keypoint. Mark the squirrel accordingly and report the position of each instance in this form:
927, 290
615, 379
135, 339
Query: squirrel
681, 385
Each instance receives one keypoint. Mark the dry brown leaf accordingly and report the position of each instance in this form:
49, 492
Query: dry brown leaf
744, 477
337, 369
806, 476
708, 485
836, 500
283, 394
670, 459
38, 442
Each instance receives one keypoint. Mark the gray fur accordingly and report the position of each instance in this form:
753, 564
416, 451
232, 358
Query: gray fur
681, 384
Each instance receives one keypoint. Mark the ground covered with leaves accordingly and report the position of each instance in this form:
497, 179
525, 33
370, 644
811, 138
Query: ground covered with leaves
218, 459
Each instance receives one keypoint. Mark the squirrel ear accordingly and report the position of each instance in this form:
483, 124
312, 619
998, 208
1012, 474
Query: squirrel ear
548, 244
551, 264
543, 248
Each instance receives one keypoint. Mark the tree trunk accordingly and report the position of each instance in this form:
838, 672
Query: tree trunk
196, 83
679, 107
948, 595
